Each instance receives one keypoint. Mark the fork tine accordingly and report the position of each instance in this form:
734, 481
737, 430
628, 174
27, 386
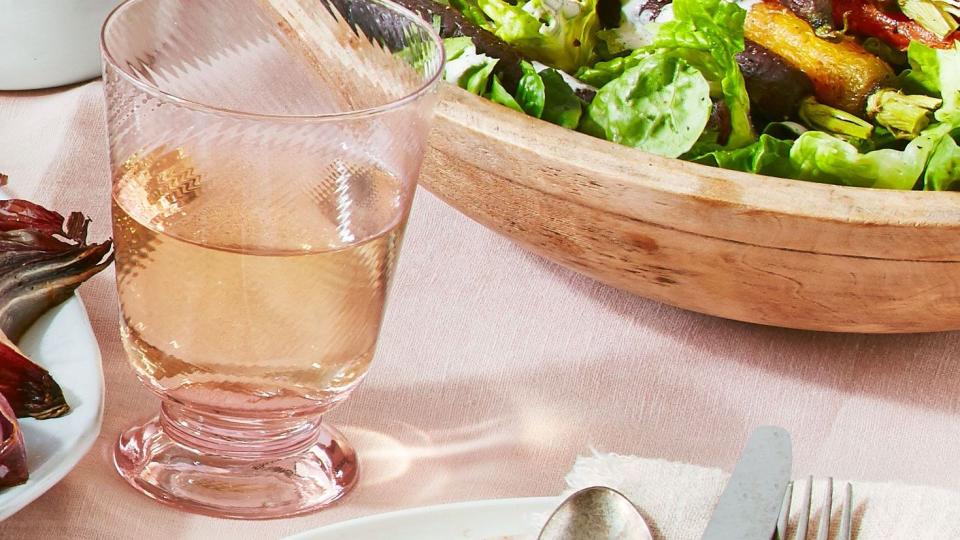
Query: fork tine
846, 517
823, 531
784, 512
803, 521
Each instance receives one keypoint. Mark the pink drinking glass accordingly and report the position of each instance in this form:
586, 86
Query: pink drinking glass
264, 157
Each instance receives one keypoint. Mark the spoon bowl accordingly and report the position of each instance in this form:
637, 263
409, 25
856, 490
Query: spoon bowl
596, 513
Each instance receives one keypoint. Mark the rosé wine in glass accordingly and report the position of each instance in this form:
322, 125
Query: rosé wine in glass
264, 157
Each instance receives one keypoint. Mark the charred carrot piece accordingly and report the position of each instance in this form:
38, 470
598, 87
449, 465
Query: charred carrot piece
843, 74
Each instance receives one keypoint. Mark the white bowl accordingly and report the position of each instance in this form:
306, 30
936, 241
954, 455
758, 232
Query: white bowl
45, 43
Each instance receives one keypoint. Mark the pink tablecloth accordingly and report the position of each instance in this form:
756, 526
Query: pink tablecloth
496, 368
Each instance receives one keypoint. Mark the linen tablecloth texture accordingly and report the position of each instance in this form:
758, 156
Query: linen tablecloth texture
496, 369
677, 500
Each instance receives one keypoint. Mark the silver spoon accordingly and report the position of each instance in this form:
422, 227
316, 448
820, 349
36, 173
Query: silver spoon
596, 513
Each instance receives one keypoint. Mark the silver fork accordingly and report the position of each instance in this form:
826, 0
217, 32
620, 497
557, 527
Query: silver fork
823, 531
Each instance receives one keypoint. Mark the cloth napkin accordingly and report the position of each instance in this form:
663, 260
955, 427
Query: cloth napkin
677, 499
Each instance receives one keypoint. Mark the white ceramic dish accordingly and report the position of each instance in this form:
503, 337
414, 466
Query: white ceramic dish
476, 520
63, 343
45, 43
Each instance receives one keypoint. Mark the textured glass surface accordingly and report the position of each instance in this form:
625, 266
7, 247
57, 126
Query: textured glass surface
264, 156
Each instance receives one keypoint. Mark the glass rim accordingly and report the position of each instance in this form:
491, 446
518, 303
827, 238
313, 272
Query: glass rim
153, 90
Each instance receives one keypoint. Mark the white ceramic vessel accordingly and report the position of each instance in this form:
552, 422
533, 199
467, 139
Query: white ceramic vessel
62, 342
46, 43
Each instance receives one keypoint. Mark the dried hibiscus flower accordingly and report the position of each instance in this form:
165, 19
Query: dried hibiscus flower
43, 258
27, 387
13, 454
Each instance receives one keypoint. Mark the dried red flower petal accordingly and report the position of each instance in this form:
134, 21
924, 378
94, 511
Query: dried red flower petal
28, 388
43, 258
13, 453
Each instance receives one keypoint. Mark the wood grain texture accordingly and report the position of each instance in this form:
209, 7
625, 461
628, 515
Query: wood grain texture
740, 246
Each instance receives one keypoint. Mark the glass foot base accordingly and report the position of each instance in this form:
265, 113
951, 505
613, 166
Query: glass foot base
245, 472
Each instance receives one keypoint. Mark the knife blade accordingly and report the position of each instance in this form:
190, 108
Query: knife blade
750, 503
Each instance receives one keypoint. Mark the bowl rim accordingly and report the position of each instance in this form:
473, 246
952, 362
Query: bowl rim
721, 187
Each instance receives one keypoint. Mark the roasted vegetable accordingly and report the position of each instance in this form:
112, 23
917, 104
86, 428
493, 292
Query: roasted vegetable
833, 121
775, 87
13, 454
843, 74
818, 13
868, 19
905, 116
937, 16
29, 388
43, 258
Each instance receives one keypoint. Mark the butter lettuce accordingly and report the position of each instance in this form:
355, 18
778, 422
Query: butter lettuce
601, 73
561, 105
709, 35
472, 12
661, 105
559, 33
705, 35
547, 96
935, 71
499, 94
820, 157
465, 67
943, 169
769, 156
531, 93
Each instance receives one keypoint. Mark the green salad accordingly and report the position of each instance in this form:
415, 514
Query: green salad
809, 90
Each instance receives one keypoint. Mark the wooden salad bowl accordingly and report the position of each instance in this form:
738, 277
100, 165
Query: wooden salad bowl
741, 246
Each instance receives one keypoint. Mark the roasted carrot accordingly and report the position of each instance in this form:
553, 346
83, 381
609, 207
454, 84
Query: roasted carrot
819, 13
843, 74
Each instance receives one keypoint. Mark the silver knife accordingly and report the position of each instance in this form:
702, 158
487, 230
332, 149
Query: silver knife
750, 504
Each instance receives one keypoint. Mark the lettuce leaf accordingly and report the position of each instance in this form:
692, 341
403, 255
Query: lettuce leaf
472, 12
661, 105
531, 93
924, 72
465, 67
499, 94
706, 34
601, 73
690, 63
546, 95
820, 157
559, 33
943, 170
456, 47
709, 35
936, 72
769, 156
561, 105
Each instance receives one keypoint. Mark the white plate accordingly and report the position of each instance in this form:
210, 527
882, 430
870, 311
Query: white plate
476, 520
63, 343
